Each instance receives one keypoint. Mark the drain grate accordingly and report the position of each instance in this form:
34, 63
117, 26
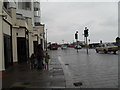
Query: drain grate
78, 84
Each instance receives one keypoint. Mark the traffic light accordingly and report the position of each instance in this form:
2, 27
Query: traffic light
76, 36
86, 32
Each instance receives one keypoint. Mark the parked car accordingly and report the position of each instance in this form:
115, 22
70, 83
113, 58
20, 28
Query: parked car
64, 47
107, 47
78, 47
54, 46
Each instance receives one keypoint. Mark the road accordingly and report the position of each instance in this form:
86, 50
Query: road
95, 70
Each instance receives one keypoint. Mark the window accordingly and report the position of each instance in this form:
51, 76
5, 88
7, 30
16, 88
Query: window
6, 5
24, 5
28, 5
20, 5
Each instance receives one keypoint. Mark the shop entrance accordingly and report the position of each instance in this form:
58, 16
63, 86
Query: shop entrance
22, 49
7, 51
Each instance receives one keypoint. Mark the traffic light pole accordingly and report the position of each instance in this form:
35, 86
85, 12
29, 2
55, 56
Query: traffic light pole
86, 35
86, 45
76, 37
77, 45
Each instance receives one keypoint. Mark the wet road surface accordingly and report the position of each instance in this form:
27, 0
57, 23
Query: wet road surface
95, 70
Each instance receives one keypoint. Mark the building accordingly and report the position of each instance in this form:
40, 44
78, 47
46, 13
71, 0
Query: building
6, 58
31, 10
21, 31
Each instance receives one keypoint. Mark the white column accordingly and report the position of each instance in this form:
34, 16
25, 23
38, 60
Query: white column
14, 43
30, 44
1, 40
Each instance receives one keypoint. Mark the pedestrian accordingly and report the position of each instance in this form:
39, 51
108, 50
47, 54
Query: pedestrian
32, 61
47, 57
40, 55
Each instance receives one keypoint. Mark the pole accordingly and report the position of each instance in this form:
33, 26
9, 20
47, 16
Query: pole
84, 41
77, 45
86, 45
46, 39
76, 37
86, 35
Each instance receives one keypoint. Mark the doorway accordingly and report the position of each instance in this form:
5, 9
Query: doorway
22, 49
35, 43
7, 51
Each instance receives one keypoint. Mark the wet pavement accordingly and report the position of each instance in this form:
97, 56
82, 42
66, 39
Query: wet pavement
21, 76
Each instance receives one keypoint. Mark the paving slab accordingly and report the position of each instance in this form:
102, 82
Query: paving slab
21, 76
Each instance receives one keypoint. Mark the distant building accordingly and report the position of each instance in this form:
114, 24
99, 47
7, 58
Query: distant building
93, 45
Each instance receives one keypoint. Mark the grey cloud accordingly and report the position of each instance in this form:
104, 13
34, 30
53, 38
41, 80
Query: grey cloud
63, 19
110, 22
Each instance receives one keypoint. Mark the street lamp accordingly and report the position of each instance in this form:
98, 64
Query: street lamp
46, 39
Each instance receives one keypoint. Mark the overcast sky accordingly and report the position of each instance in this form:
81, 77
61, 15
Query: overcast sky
63, 19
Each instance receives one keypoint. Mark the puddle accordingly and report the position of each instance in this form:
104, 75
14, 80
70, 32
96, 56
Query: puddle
78, 84
66, 64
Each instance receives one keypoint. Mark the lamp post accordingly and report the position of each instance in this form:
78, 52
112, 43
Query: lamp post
46, 39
